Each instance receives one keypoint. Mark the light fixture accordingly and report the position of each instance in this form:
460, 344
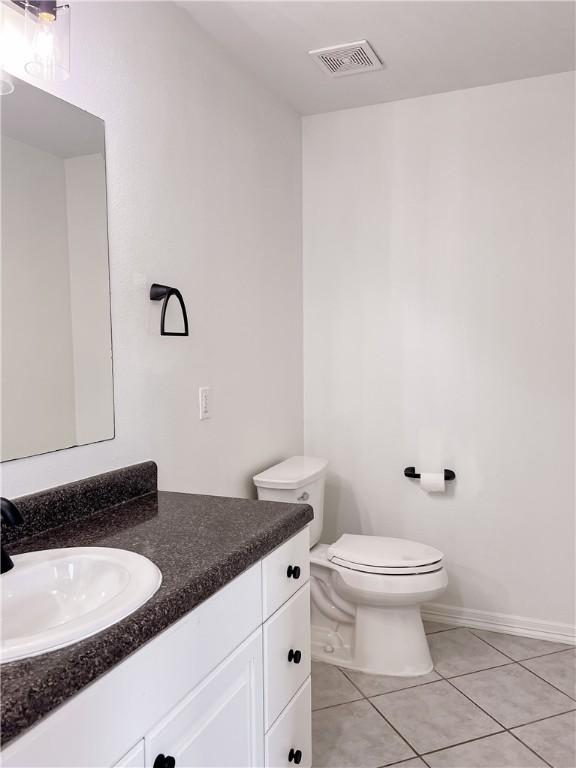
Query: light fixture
6, 84
47, 32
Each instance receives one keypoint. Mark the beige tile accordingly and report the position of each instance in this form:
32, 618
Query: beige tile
352, 735
519, 648
330, 686
458, 652
554, 739
414, 763
372, 685
559, 669
499, 751
435, 626
434, 716
512, 695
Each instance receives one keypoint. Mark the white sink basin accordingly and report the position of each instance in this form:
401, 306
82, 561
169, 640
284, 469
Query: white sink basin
57, 597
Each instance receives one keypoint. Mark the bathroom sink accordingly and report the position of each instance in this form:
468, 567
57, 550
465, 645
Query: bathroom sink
57, 597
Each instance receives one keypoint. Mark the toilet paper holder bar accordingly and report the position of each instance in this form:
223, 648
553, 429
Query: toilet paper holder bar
413, 475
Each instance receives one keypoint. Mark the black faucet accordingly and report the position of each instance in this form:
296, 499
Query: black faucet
11, 517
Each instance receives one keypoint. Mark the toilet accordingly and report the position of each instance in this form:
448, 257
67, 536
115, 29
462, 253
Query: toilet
366, 591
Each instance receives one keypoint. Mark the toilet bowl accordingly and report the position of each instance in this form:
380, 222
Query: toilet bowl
380, 601
366, 591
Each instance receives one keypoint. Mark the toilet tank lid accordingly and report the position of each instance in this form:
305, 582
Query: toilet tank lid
292, 473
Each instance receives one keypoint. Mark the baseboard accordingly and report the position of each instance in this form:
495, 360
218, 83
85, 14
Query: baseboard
500, 622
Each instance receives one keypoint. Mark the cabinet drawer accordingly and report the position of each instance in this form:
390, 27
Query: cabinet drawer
291, 734
285, 570
134, 758
286, 653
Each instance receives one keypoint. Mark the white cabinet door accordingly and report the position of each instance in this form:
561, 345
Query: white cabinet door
285, 570
134, 758
220, 723
286, 653
289, 741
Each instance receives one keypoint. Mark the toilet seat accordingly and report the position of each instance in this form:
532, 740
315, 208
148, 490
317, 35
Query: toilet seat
385, 556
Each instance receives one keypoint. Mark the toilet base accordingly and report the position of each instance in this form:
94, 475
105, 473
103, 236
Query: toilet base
391, 641
387, 641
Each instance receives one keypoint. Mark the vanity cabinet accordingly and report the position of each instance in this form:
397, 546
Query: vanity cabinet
134, 758
218, 723
223, 686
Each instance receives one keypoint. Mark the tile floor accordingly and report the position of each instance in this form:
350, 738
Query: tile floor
493, 701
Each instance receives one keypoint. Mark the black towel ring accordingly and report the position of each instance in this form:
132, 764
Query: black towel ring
159, 292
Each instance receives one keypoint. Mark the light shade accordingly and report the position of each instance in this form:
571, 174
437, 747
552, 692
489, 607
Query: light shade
47, 30
6, 84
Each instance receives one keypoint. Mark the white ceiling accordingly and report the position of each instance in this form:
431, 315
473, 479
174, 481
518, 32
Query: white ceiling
427, 47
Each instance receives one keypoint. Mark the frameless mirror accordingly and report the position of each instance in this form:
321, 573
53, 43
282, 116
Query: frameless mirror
57, 389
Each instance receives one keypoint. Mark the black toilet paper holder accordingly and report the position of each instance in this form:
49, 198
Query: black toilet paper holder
410, 472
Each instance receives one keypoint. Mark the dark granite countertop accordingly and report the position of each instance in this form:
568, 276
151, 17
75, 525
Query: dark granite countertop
200, 543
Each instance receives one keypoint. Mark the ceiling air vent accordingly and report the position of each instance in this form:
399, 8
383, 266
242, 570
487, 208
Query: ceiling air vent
347, 59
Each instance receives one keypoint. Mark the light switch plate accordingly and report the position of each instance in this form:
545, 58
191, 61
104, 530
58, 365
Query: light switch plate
204, 402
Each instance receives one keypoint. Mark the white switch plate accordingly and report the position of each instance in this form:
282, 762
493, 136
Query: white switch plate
204, 402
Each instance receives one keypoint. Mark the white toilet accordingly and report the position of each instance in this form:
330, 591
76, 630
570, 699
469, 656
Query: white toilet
366, 590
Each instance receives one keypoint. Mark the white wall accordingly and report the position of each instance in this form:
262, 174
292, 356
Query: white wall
438, 273
89, 296
204, 194
37, 362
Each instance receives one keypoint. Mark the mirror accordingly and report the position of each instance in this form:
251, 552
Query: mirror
57, 389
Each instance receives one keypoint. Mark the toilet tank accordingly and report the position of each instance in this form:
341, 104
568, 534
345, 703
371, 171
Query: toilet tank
299, 480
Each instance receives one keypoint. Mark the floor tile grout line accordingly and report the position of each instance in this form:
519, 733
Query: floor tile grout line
339, 704
459, 744
421, 755
528, 658
540, 655
489, 644
541, 719
572, 698
481, 738
447, 680
440, 749
476, 705
509, 730
504, 729
507, 655
528, 747
385, 693
400, 762
454, 677
517, 661
375, 708
396, 731
519, 725
509, 664
476, 671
